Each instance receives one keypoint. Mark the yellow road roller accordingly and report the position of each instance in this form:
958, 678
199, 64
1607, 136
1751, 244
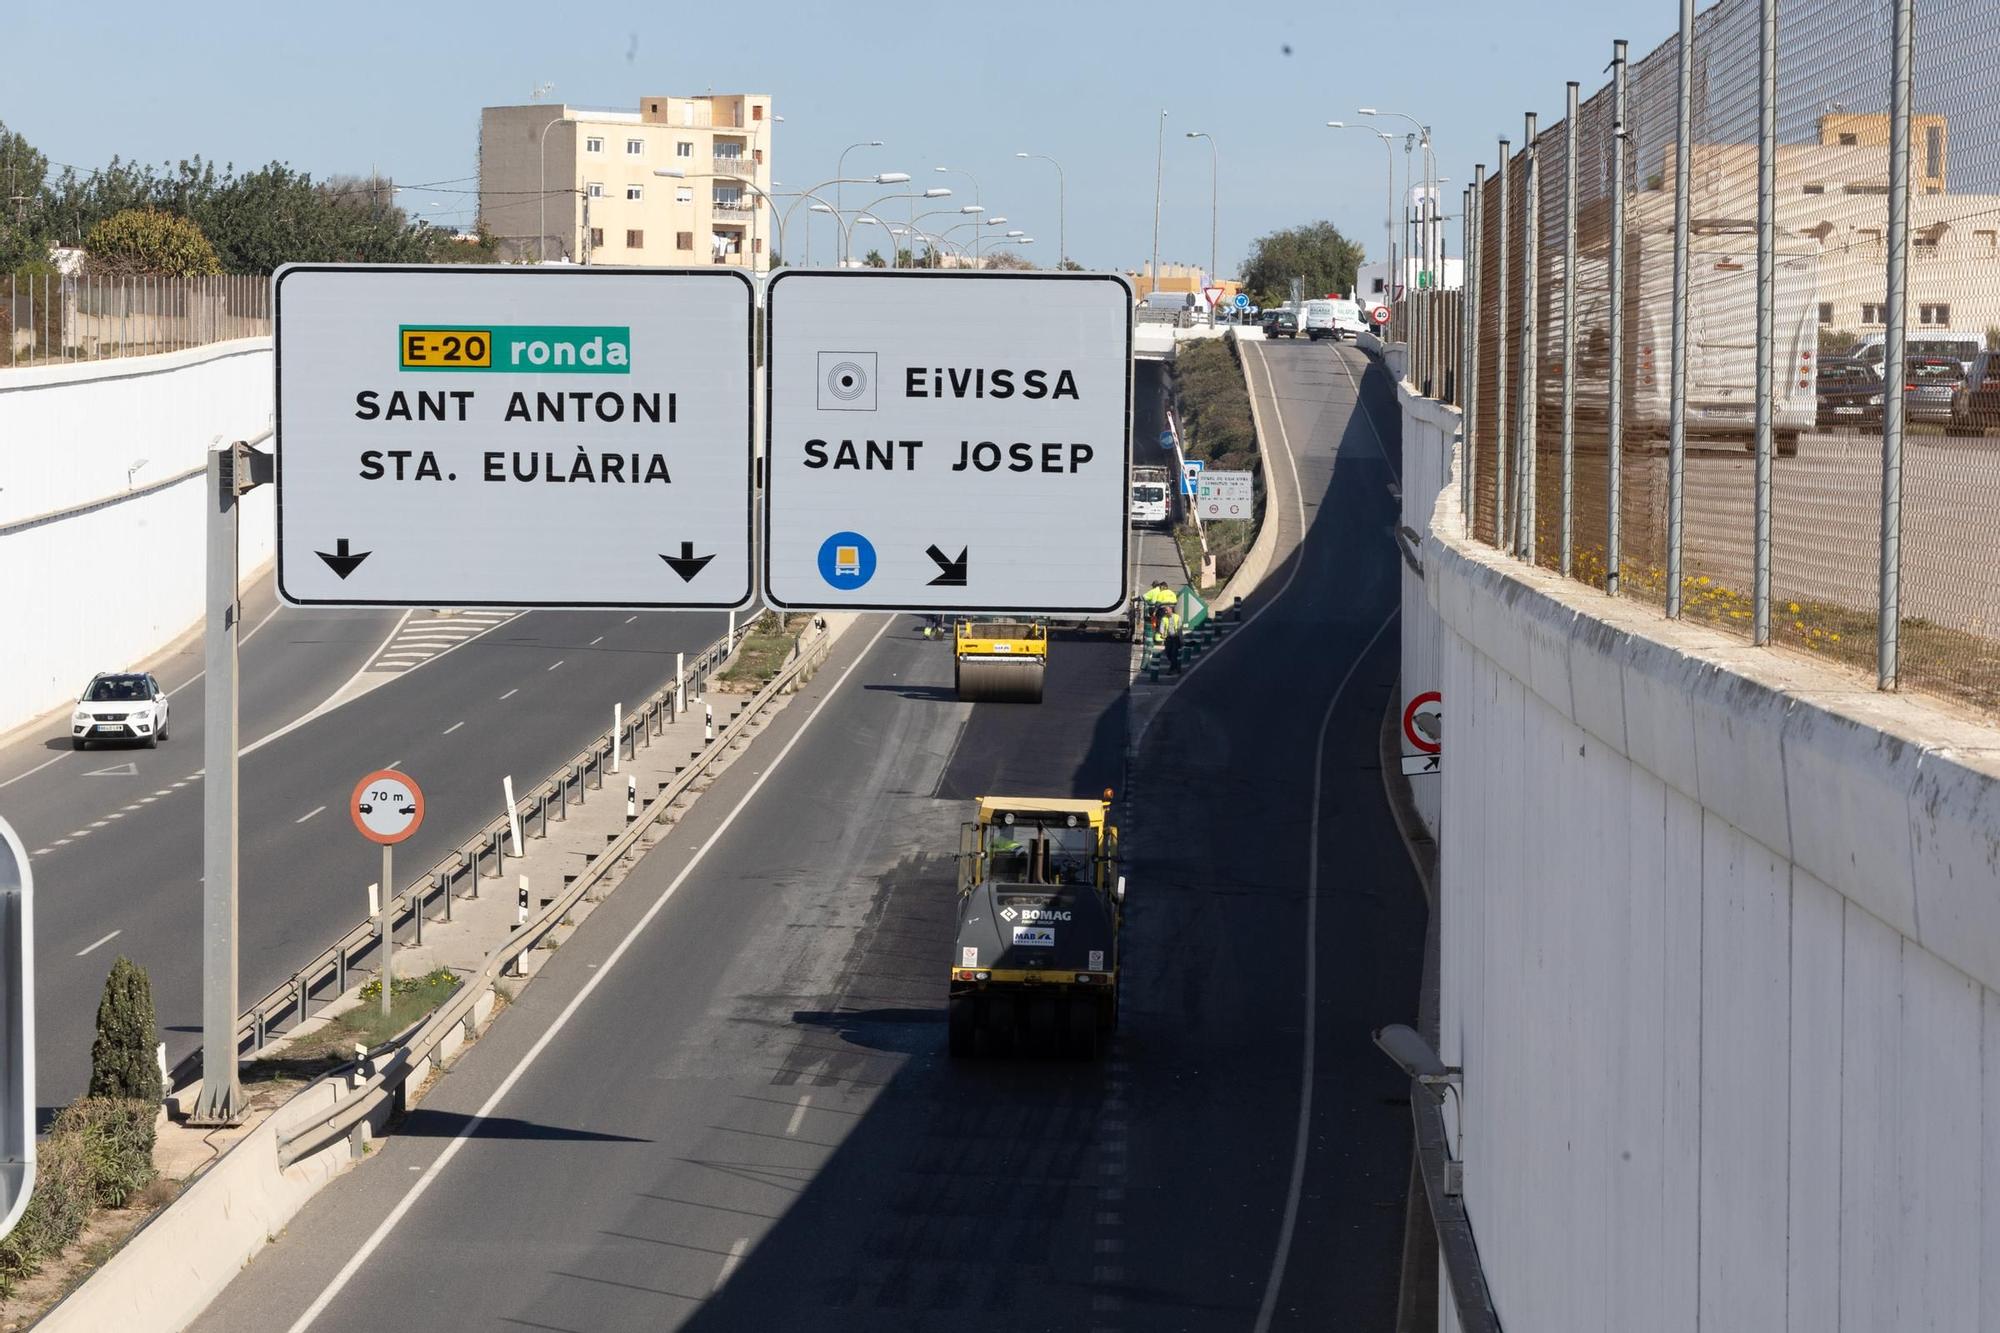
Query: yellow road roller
1000, 661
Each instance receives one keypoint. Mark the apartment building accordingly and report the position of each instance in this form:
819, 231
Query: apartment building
545, 168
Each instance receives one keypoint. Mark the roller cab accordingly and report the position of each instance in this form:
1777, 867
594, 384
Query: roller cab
1040, 904
1000, 661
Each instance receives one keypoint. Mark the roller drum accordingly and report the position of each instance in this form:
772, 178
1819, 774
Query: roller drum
1002, 681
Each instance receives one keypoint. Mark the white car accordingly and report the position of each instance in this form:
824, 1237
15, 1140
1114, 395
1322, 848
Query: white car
125, 706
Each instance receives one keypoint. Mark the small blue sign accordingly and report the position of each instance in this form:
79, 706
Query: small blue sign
1190, 469
1242, 300
847, 560
1166, 439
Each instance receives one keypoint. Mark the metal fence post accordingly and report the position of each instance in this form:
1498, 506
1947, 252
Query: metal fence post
1500, 367
1569, 332
1889, 611
1614, 413
1524, 410
1767, 275
1475, 287
1678, 374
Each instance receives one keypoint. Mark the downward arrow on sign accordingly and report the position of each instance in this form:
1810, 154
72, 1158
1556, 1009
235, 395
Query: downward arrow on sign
341, 562
687, 564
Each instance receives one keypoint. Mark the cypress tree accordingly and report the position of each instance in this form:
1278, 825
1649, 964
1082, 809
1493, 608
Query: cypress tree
121, 1058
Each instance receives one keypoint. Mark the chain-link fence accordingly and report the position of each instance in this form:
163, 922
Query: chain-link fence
48, 318
1728, 329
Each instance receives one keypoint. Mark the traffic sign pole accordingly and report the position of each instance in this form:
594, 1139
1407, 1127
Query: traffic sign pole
386, 808
221, 1095
385, 924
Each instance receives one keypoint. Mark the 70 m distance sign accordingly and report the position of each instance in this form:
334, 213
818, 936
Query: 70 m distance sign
465, 436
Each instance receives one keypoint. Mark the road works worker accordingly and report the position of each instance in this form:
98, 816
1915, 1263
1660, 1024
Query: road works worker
1157, 598
1170, 632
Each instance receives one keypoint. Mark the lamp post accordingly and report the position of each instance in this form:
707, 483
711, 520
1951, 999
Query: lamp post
1430, 172
883, 178
1062, 206
973, 210
936, 192
1159, 175
1389, 199
976, 196
1214, 169
840, 169
777, 223
542, 184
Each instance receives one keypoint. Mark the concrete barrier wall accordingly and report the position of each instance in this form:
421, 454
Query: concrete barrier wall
103, 588
1430, 436
1721, 943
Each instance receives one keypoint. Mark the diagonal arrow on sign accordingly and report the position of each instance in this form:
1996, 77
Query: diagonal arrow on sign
342, 562
953, 575
687, 564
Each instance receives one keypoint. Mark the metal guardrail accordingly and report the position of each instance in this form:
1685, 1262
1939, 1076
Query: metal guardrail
385, 1080
411, 904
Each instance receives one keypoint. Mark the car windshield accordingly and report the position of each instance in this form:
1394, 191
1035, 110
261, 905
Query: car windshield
1149, 494
1936, 372
118, 689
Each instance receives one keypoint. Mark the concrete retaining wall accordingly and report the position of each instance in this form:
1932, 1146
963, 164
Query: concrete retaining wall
104, 587
1721, 962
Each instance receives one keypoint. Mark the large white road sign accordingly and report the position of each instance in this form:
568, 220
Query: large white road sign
463, 436
948, 441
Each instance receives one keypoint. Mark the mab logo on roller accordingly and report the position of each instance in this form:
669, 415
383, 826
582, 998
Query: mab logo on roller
517, 349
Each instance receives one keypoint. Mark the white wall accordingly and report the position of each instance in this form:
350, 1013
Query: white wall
103, 589
1720, 950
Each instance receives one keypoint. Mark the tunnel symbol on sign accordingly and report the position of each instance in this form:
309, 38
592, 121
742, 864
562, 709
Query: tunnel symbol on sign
847, 381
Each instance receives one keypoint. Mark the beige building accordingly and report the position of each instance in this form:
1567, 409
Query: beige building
544, 168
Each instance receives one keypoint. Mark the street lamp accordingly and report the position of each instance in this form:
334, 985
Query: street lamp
935, 192
1062, 231
840, 167
972, 209
1389, 216
1214, 168
882, 178
542, 183
957, 171
1430, 176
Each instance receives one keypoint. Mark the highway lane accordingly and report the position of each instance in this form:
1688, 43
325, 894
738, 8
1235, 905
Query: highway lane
519, 699
748, 1121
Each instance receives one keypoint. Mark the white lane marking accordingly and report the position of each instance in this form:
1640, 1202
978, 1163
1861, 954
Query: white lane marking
1299, 501
39, 851
148, 800
79, 833
60, 842
453, 727
115, 814
558, 662
630, 619
130, 808
798, 1116
99, 823
594, 642
1366, 415
1302, 1141
729, 1262
100, 944
554, 1030
36, 769
253, 630
309, 814
510, 694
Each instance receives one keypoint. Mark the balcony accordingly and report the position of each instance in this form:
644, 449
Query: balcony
736, 166
734, 210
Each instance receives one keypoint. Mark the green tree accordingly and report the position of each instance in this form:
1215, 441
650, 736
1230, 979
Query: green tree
122, 1063
1070, 266
24, 224
1006, 259
1316, 252
875, 260
152, 242
1835, 342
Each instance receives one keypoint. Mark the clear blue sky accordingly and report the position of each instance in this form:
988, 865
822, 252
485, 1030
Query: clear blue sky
338, 88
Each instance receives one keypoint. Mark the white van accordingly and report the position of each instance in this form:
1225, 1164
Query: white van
1348, 319
1316, 319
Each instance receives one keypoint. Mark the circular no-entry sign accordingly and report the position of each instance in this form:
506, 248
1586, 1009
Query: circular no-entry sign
1423, 722
387, 807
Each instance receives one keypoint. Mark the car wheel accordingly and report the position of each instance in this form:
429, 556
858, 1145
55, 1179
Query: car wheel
153, 742
78, 743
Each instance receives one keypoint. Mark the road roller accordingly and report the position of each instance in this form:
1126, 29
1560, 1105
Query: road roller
1040, 904
1000, 661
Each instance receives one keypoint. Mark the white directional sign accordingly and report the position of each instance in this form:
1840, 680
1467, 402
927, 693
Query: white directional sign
464, 436
948, 441
1222, 495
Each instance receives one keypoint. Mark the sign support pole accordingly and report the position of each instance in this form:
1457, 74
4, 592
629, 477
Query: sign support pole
221, 1095
386, 924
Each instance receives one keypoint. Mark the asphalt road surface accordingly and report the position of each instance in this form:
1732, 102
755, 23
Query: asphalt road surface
116, 832
744, 1118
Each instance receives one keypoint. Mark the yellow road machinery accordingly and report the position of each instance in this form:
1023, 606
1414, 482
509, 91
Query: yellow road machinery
1000, 661
1040, 903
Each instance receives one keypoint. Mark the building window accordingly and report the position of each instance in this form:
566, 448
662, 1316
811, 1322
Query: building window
1813, 189
1986, 240
1872, 314
595, 189
1376, 285
1826, 314
1938, 316
756, 111
1934, 151
684, 194
683, 148
653, 107
757, 246
757, 155
597, 238
1867, 187
1870, 236
593, 144
683, 240
635, 147
1848, 141
635, 192
635, 240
